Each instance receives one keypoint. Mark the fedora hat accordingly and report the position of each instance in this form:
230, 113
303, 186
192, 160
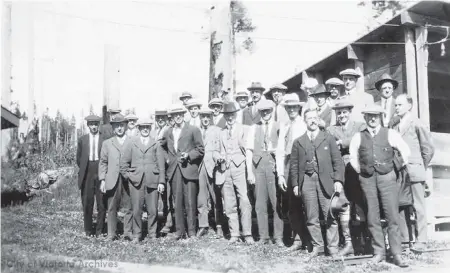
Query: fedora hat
119, 118
94, 118
215, 101
241, 94
338, 204
145, 121
176, 109
230, 107
256, 86
342, 103
265, 104
373, 109
291, 100
350, 72
334, 81
386, 78
320, 89
185, 95
192, 103
278, 86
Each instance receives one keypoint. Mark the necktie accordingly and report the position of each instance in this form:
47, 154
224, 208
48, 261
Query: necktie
203, 133
94, 148
266, 136
276, 113
289, 134
385, 108
229, 132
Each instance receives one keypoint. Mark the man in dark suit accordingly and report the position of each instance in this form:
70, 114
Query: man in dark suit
321, 95
317, 171
386, 86
88, 155
251, 115
186, 150
106, 129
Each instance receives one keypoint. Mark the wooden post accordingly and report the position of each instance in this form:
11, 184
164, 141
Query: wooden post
410, 67
422, 74
111, 87
359, 67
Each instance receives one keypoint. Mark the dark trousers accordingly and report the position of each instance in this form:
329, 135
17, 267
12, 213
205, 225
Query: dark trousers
139, 195
418, 193
208, 196
169, 207
90, 189
316, 203
386, 188
185, 199
266, 192
114, 197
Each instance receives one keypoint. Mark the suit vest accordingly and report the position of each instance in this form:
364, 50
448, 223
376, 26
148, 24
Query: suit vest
311, 161
375, 153
234, 149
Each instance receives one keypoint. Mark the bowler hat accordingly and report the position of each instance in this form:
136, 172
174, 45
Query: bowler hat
386, 78
160, 112
185, 95
205, 111
342, 103
334, 81
373, 109
230, 107
176, 109
320, 89
118, 119
278, 86
291, 100
93, 118
255, 86
131, 116
265, 104
350, 72
114, 110
145, 121
192, 103
215, 101
338, 204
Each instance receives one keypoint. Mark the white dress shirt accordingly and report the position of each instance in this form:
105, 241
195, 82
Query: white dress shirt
144, 140
394, 139
121, 140
386, 104
250, 143
93, 147
176, 135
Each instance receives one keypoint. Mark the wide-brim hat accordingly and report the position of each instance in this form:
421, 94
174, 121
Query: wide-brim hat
215, 101
114, 110
93, 118
386, 78
265, 104
256, 86
205, 111
342, 103
176, 109
131, 116
185, 95
349, 72
338, 204
334, 81
319, 90
230, 107
160, 112
241, 94
145, 121
119, 118
373, 109
192, 103
292, 99
278, 86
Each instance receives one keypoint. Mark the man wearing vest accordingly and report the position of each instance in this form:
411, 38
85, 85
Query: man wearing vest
418, 138
132, 130
289, 132
320, 95
88, 154
261, 170
113, 185
372, 156
231, 174
317, 171
208, 193
142, 163
251, 114
343, 132
276, 94
386, 86
242, 99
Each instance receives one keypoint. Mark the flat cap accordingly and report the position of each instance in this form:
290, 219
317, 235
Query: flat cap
114, 110
119, 118
176, 109
215, 101
145, 121
278, 86
160, 112
93, 118
265, 104
373, 109
350, 72
131, 116
185, 95
334, 81
193, 102
342, 103
256, 86
241, 94
205, 111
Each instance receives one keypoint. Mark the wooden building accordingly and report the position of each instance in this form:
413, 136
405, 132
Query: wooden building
414, 48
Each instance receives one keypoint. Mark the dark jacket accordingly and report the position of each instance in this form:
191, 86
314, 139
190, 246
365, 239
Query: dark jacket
248, 118
83, 155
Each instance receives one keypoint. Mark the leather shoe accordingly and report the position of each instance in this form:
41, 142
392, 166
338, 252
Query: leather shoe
249, 240
202, 232
377, 258
399, 262
278, 242
233, 240
264, 241
297, 245
347, 250
314, 253
219, 232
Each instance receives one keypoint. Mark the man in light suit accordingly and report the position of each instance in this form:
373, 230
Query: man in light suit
209, 194
231, 174
320, 95
112, 184
185, 148
317, 171
418, 138
88, 155
386, 86
343, 132
276, 94
251, 114
142, 163
359, 98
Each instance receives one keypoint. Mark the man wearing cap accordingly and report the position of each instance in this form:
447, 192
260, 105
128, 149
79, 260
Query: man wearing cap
251, 114
112, 184
260, 159
208, 194
88, 155
372, 156
185, 97
131, 127
193, 119
231, 174
320, 95
386, 86
242, 99
359, 98
317, 171
276, 94
308, 86
289, 131
186, 150
106, 129
418, 138
216, 105
334, 85
343, 132
142, 163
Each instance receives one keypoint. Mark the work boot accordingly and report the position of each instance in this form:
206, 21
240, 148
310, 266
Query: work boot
347, 250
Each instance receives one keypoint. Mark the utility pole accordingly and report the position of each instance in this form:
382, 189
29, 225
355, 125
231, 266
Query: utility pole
111, 84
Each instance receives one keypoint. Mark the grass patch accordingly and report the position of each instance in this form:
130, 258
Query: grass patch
53, 224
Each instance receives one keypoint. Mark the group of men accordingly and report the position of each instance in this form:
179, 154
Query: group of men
338, 156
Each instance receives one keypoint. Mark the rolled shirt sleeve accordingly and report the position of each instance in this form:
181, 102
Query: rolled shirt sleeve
397, 142
354, 151
280, 154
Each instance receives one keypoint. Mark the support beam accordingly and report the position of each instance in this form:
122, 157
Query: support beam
422, 74
410, 18
359, 67
111, 88
355, 52
410, 67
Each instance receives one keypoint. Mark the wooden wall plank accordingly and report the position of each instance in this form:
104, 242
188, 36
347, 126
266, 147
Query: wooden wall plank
411, 74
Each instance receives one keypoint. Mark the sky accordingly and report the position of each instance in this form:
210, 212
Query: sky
163, 48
